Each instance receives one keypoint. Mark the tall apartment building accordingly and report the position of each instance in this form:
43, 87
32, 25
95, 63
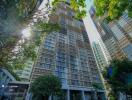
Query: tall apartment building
100, 58
68, 55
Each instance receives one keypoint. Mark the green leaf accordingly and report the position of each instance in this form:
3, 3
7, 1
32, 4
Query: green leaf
76, 5
120, 70
80, 14
112, 8
130, 14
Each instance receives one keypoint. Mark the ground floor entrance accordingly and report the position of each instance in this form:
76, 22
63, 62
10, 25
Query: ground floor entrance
80, 95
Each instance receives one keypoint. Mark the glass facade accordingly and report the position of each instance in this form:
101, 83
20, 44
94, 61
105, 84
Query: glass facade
128, 51
99, 56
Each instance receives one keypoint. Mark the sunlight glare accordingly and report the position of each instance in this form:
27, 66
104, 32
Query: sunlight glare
26, 33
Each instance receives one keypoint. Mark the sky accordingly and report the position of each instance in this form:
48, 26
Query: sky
92, 31
90, 27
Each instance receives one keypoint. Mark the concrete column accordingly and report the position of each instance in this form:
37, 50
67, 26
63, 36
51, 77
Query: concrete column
94, 95
68, 94
50, 97
83, 95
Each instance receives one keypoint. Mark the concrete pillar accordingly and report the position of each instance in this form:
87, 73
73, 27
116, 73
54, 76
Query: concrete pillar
94, 95
68, 94
50, 97
83, 95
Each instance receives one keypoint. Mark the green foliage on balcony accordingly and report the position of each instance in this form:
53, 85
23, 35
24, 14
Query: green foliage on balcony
79, 6
98, 86
25, 6
46, 27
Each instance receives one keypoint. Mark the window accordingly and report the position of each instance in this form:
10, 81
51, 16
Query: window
63, 80
74, 82
62, 21
63, 30
69, 13
128, 51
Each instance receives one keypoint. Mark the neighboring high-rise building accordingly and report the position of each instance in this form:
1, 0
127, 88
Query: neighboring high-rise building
108, 38
101, 33
111, 42
116, 35
122, 30
105, 51
100, 58
68, 55
25, 73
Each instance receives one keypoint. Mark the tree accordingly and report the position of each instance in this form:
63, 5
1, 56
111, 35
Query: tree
97, 86
15, 59
77, 5
46, 27
45, 86
6, 55
26, 7
14, 54
113, 8
42, 29
118, 76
